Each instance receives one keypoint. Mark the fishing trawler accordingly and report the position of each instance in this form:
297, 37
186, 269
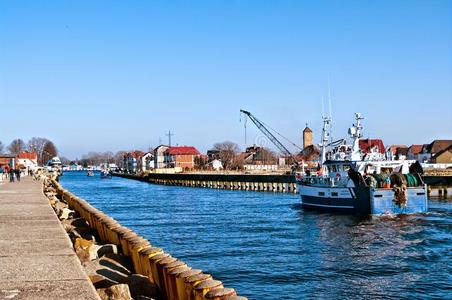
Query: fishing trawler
350, 181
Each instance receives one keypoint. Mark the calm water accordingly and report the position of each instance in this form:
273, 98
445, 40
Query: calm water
267, 247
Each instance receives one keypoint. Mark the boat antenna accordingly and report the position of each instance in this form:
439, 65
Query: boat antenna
329, 108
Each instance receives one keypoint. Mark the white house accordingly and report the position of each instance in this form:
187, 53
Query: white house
159, 157
216, 164
27, 160
147, 161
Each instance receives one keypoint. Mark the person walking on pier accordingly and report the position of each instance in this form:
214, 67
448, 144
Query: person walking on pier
17, 171
11, 175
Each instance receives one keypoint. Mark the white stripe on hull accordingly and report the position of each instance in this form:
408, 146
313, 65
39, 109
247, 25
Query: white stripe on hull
313, 191
332, 206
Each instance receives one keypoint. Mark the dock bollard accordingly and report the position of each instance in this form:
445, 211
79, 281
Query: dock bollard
144, 255
112, 234
160, 274
153, 265
192, 281
98, 217
125, 235
135, 245
102, 224
180, 282
220, 294
171, 279
165, 270
204, 287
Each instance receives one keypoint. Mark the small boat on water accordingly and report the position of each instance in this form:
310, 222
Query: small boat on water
90, 173
352, 182
105, 174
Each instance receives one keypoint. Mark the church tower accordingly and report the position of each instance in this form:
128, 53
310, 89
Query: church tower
307, 137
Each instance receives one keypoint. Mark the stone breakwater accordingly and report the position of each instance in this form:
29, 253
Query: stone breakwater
123, 265
244, 182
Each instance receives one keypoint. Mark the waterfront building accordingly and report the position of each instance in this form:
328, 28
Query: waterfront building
401, 153
146, 162
391, 151
415, 152
7, 160
27, 160
131, 161
437, 146
181, 156
213, 155
159, 156
371, 145
443, 156
259, 158
310, 155
216, 164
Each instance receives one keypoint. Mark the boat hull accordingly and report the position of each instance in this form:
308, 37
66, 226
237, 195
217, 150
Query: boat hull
362, 200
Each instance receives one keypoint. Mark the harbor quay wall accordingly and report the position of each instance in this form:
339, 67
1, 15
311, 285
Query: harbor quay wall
173, 279
438, 185
245, 182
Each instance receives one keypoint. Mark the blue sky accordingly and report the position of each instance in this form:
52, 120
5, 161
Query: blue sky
117, 75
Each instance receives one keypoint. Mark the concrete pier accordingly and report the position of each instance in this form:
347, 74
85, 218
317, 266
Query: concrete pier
36, 256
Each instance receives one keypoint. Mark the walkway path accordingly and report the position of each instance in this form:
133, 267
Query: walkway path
37, 260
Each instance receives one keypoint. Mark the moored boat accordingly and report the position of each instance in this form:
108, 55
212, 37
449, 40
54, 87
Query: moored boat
348, 181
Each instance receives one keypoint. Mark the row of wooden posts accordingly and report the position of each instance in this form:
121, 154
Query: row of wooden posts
175, 279
280, 187
231, 185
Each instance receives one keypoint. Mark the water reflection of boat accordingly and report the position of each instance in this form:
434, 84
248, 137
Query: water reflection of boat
105, 174
90, 173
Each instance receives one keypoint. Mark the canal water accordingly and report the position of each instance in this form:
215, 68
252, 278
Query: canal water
267, 247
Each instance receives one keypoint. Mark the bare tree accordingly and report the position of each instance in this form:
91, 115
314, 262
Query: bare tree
108, 157
238, 163
16, 146
49, 151
118, 158
97, 158
265, 156
65, 160
37, 144
227, 151
200, 162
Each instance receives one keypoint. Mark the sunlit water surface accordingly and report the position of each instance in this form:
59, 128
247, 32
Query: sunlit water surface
267, 247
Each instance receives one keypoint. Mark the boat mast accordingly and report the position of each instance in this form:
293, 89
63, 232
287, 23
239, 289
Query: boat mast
356, 133
325, 138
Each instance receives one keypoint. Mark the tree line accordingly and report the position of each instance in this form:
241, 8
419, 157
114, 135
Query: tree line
44, 148
227, 152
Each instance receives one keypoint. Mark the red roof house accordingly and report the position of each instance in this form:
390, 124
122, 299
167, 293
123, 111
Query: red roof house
183, 150
183, 157
28, 155
27, 160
